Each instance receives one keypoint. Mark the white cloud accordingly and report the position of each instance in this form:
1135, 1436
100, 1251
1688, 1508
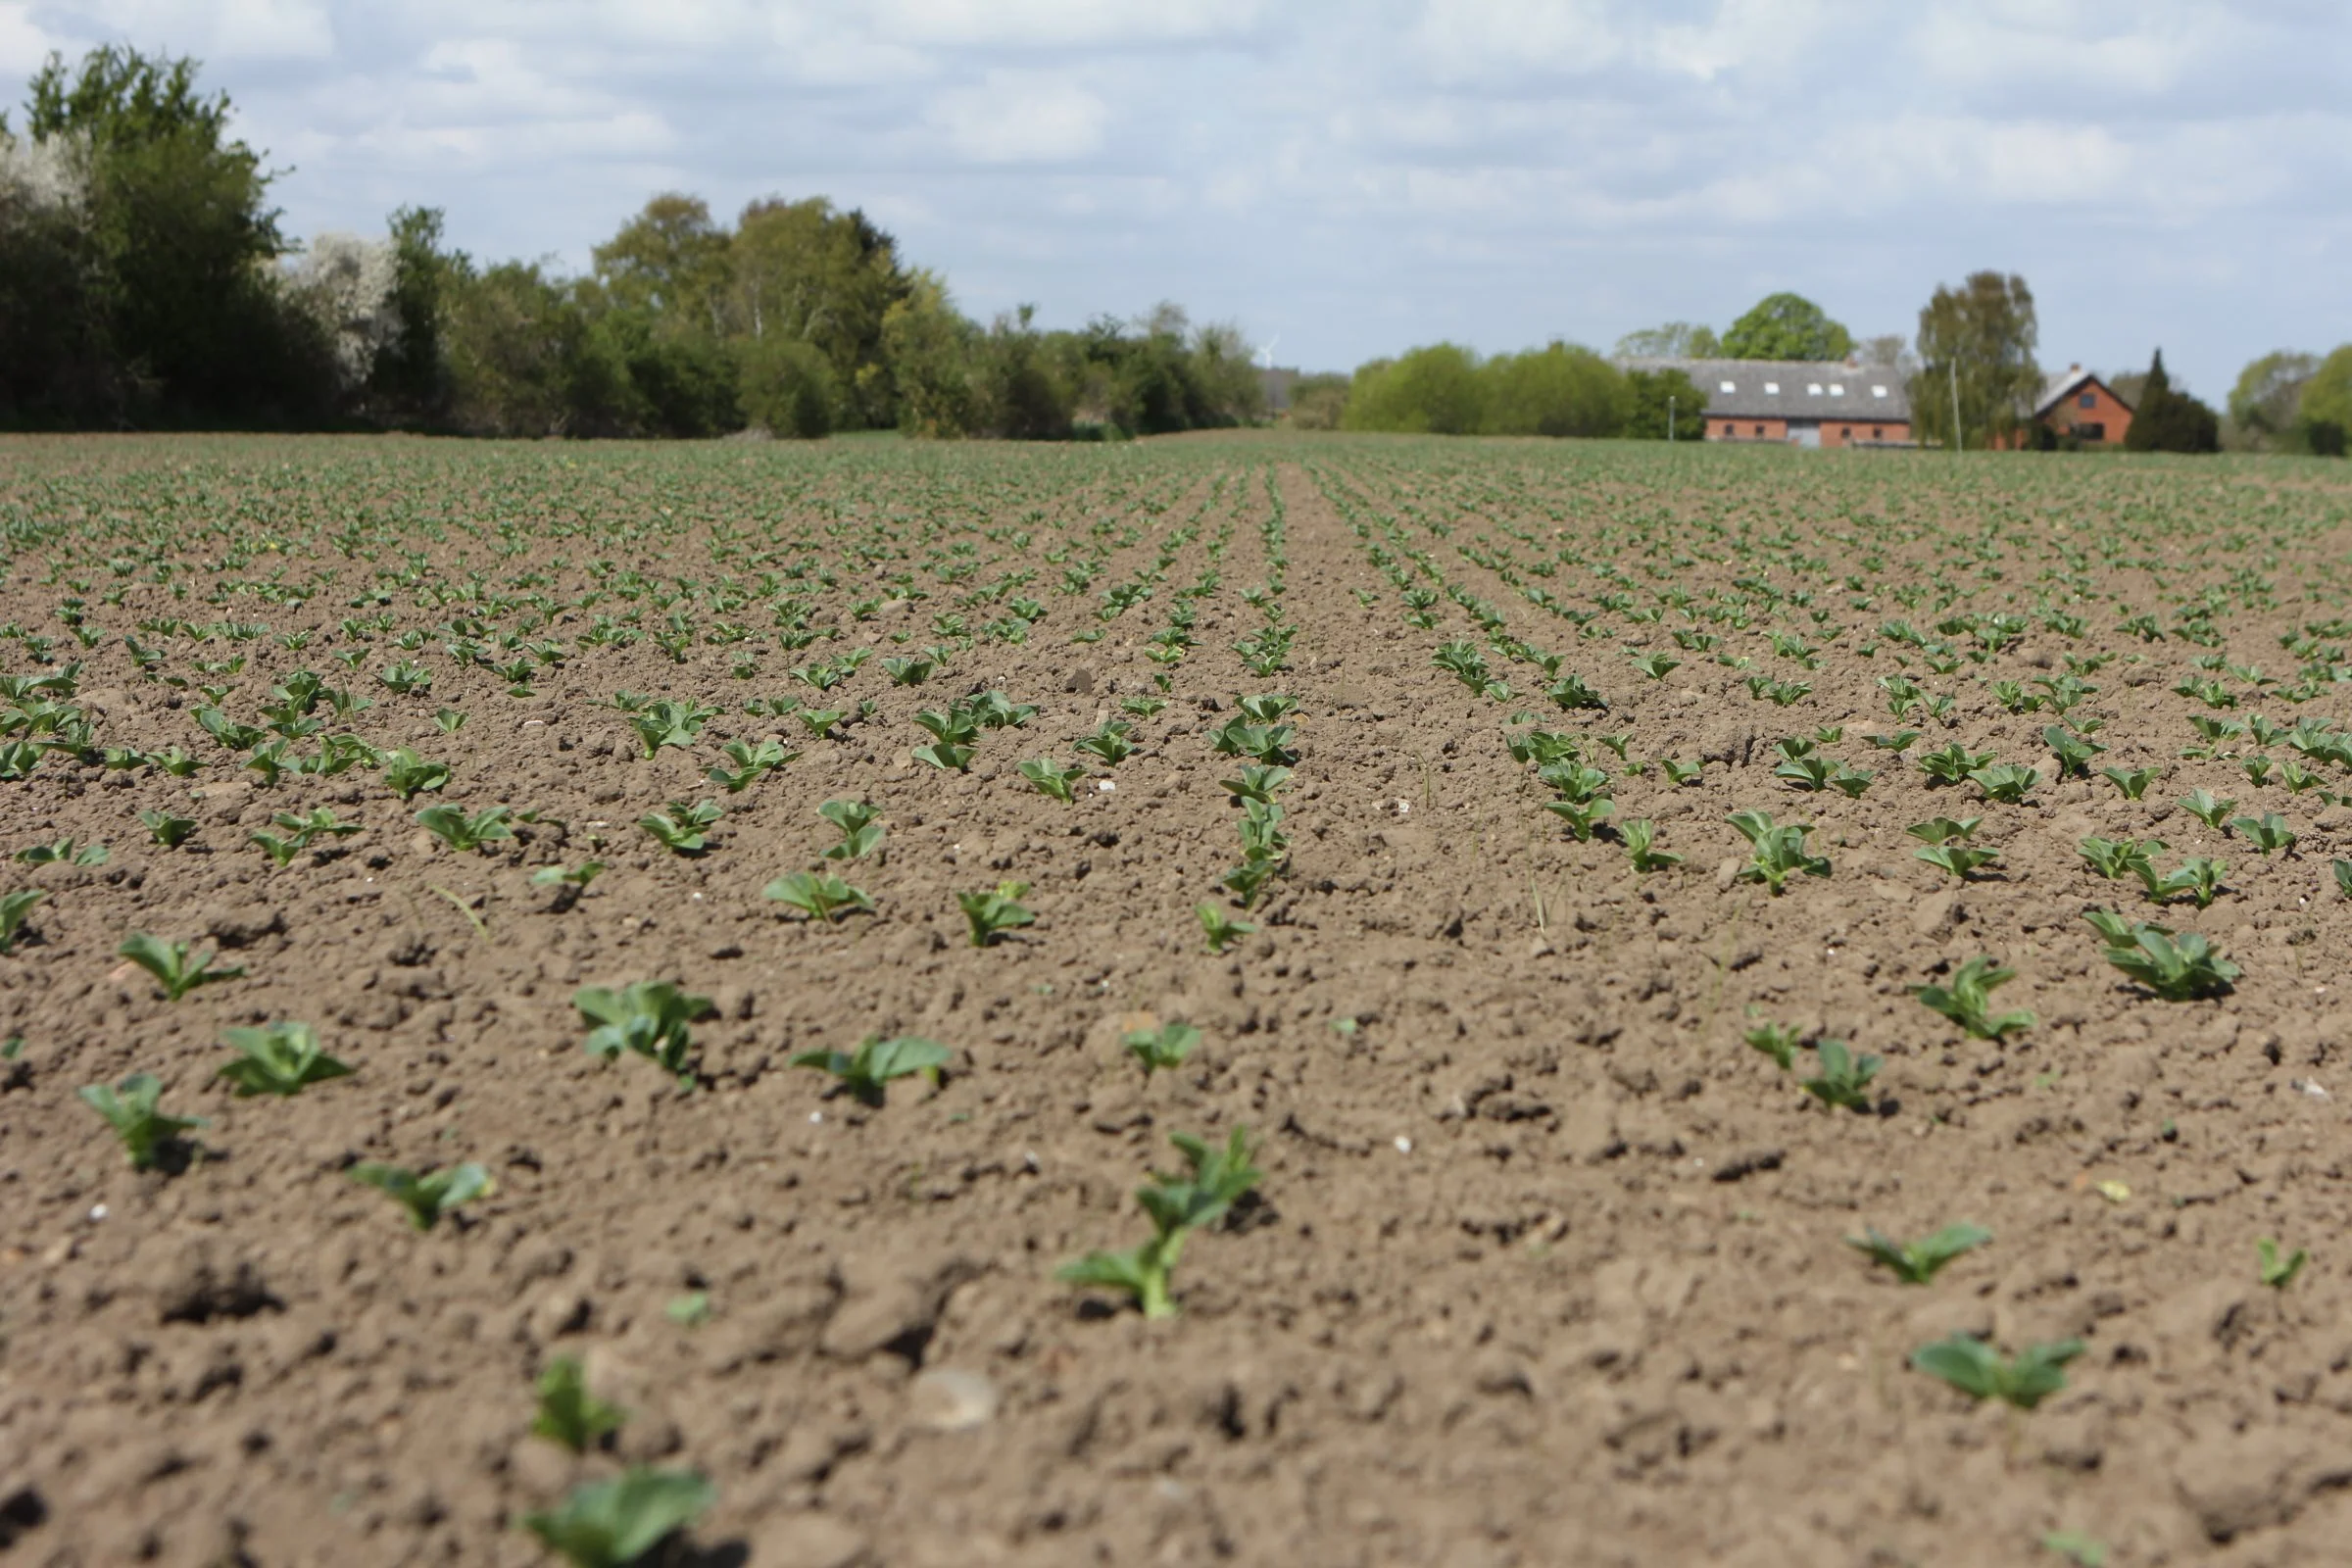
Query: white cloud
1021, 117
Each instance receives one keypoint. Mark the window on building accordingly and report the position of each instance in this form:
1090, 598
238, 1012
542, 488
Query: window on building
1846, 434
1877, 433
1836, 389
1772, 386
1760, 429
2088, 400
1813, 389
1878, 391
2091, 431
1729, 387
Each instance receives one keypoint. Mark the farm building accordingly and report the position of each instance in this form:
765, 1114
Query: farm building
1804, 403
2079, 405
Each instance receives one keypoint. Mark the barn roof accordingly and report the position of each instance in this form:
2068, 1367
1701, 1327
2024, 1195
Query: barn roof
2057, 388
1793, 389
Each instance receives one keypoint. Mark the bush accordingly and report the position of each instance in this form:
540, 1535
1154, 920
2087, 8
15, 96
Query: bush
1560, 390
1434, 390
786, 386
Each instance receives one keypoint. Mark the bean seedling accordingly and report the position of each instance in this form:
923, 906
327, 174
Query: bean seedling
2132, 782
131, 1108
1221, 931
278, 1059
866, 1073
408, 775
172, 967
425, 1197
2178, 967
1779, 1041
1981, 1372
2202, 805
166, 830
1917, 1262
988, 914
651, 1018
464, 832
2005, 782
1176, 1205
1845, 1079
2267, 833
752, 764
682, 827
2277, 1272
1639, 834
14, 908
1163, 1048
568, 1414
1967, 1002
2112, 859
861, 828
819, 895
63, 851
1051, 777
609, 1524
669, 723
1778, 851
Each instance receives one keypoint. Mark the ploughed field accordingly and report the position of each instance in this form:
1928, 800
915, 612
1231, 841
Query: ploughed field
1324, 1000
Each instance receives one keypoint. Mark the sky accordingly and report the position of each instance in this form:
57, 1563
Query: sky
1347, 179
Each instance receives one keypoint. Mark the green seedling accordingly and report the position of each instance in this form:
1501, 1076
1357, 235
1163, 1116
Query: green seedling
568, 1414
860, 829
1959, 859
426, 1196
450, 720
866, 1073
1944, 830
166, 830
996, 710
1778, 851
1581, 815
1258, 782
1681, 773
2005, 782
2076, 1547
278, 1059
574, 878
682, 827
819, 722
1616, 743
2341, 868
16, 906
1918, 1262
1968, 1000
958, 725
911, 670
1221, 931
1899, 743
2206, 809
131, 1108
611, 1524
752, 764
689, 1311
2198, 877
1268, 743
1571, 693
463, 832
175, 762
2275, 1271
408, 775
2267, 833
669, 723
1779, 1041
1163, 1048
1981, 1372
1952, 763
1640, 834
407, 679
819, 895
2132, 782
2113, 859
652, 1018
1805, 773
2257, 769
2073, 751
1843, 1079
1850, 782
1249, 878
63, 851
1142, 707
2180, 967
1176, 1205
172, 967
231, 735
1657, 666
992, 913
1051, 777
952, 757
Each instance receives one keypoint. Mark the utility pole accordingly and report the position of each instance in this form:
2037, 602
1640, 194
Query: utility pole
1953, 364
1670, 418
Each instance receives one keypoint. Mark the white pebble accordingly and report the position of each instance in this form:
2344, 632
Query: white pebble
1404, 1144
817, 1115
97, 1211
1104, 786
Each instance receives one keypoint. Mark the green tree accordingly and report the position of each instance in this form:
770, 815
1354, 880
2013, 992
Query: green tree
1676, 340
931, 349
1318, 402
787, 386
1979, 338
2267, 400
179, 231
802, 269
1559, 390
2324, 412
1649, 418
1787, 327
411, 379
670, 261
1433, 390
2169, 421
57, 362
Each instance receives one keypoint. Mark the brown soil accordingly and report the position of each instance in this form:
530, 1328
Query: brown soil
1546, 1267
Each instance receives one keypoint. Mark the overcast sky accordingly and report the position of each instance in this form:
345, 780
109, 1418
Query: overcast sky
1349, 177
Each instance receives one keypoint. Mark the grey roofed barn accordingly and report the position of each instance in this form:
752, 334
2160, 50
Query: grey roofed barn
1793, 389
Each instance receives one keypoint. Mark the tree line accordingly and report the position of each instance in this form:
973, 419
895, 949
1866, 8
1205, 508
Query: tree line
146, 280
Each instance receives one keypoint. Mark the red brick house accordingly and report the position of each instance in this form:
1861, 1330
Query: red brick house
2080, 406
1804, 403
